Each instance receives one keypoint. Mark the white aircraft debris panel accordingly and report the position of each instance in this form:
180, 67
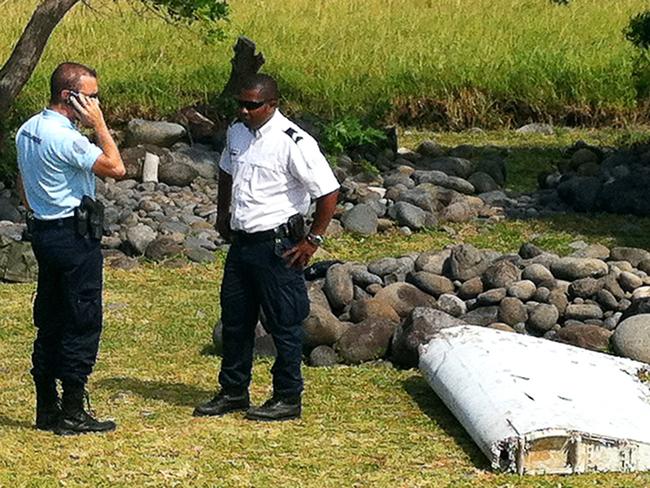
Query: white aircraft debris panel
534, 406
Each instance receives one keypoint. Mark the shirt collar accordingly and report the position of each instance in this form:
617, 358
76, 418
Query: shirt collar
54, 115
268, 126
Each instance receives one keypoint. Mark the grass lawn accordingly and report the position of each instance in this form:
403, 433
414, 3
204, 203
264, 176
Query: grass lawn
362, 426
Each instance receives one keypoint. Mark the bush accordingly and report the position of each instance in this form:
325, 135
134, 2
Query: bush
348, 134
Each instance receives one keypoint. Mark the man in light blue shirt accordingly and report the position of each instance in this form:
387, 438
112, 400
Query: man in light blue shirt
57, 167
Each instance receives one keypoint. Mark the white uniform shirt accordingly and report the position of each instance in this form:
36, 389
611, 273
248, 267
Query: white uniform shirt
276, 171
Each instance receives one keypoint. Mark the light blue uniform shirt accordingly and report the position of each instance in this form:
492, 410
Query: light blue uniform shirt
55, 162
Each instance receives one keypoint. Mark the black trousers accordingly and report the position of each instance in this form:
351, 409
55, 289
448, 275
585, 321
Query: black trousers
68, 305
257, 276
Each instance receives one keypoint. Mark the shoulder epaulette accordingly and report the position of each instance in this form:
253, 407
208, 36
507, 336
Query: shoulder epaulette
293, 133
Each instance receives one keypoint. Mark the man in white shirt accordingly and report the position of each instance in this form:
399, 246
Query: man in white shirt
269, 172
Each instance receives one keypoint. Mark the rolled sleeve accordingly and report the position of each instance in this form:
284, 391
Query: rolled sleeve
308, 164
76, 150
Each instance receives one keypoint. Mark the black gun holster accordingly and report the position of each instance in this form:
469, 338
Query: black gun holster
296, 227
89, 218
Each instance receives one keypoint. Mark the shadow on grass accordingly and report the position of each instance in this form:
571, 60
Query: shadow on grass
14, 424
173, 393
433, 408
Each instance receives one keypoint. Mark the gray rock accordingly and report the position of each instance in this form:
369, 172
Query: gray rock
483, 316
8, 211
457, 212
203, 160
452, 305
162, 248
483, 182
339, 287
200, 255
18, 263
586, 336
576, 268
631, 338
596, 251
501, 274
430, 283
321, 327
460, 185
153, 132
449, 165
629, 281
470, 288
404, 297
632, 255
366, 341
408, 215
542, 294
430, 148
323, 356
585, 287
362, 309
364, 278
433, 261
512, 311
420, 326
543, 317
466, 262
606, 300
139, 237
361, 219
536, 128
176, 174
491, 297
524, 290
384, 266
583, 312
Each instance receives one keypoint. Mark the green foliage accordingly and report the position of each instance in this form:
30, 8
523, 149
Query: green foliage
203, 12
638, 30
349, 133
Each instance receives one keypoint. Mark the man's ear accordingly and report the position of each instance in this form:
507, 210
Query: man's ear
273, 103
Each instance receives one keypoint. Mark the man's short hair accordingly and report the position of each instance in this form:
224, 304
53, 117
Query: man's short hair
266, 84
67, 76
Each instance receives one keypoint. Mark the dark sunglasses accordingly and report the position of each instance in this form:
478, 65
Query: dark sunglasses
248, 105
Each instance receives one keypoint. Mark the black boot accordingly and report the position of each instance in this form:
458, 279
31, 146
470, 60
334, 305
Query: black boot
48, 408
74, 419
277, 408
222, 404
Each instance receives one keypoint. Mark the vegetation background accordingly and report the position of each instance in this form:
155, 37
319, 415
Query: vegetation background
442, 63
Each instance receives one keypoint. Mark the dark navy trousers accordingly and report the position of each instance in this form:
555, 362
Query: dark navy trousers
257, 277
68, 305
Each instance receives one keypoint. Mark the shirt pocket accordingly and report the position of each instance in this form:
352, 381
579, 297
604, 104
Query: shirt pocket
262, 179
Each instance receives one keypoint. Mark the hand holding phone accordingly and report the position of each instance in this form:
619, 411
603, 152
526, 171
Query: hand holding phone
86, 109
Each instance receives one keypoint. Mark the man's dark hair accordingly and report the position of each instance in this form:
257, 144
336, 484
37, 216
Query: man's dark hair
266, 84
67, 76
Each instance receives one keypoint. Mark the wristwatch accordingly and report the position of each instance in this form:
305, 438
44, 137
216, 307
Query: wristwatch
315, 239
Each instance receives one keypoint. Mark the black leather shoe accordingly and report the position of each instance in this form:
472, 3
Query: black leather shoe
47, 418
74, 418
82, 423
222, 404
276, 408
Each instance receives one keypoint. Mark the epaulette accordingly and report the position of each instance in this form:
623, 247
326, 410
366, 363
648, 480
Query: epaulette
293, 133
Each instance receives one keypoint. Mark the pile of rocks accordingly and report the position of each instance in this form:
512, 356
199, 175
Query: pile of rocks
595, 179
385, 309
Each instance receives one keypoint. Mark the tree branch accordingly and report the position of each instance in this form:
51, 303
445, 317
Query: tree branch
29, 48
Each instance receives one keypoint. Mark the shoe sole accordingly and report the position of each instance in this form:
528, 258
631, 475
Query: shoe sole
221, 414
272, 419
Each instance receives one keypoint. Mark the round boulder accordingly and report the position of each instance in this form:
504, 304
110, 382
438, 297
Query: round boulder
365, 341
631, 338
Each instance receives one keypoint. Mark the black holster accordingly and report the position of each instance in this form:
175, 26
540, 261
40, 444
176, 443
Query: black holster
89, 218
296, 227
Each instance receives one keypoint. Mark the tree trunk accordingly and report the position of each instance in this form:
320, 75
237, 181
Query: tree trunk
28, 50
244, 63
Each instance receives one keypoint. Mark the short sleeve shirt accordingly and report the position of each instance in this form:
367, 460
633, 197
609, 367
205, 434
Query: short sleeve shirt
55, 162
276, 171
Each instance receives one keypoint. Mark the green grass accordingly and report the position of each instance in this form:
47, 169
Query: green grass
362, 426
342, 57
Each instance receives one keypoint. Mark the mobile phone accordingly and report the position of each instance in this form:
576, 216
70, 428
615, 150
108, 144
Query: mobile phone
74, 96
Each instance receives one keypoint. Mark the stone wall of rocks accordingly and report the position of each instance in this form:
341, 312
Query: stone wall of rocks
595, 179
595, 298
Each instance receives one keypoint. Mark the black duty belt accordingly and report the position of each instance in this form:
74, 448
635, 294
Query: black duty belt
65, 223
242, 237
